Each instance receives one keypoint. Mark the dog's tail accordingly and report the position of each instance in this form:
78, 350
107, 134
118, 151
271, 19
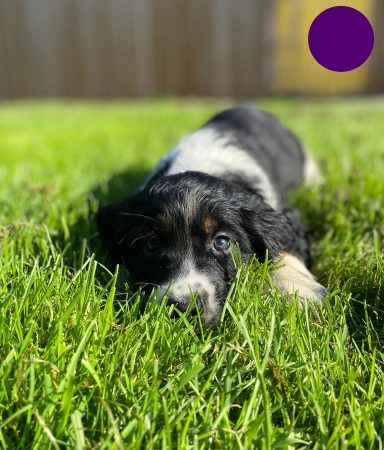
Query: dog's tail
312, 175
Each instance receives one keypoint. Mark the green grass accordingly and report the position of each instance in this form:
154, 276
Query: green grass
79, 371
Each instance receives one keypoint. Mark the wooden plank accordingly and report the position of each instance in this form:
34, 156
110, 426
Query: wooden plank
14, 49
221, 75
377, 59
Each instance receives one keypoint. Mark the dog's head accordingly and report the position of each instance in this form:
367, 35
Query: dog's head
177, 235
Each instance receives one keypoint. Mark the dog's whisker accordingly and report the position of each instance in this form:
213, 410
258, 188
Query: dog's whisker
151, 235
137, 215
124, 238
146, 283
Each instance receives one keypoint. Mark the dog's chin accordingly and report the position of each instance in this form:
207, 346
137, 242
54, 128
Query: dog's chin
209, 317
207, 308
211, 314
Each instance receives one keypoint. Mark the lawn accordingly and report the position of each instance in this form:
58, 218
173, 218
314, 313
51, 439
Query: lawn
81, 367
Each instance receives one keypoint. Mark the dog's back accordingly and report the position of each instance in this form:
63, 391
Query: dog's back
245, 146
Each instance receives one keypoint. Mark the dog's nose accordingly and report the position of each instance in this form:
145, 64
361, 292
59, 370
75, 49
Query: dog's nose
182, 303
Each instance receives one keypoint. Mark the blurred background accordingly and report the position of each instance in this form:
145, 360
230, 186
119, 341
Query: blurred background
144, 48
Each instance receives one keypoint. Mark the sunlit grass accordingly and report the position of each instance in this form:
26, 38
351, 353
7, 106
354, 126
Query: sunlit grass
82, 367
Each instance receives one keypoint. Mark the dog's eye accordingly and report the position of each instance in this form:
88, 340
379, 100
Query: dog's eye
152, 246
221, 243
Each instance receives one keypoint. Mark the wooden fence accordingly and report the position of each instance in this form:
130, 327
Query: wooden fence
133, 47
130, 48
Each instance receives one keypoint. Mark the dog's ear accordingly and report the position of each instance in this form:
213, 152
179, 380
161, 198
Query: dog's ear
284, 236
275, 231
267, 229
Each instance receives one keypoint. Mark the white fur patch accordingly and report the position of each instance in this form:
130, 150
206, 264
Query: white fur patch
206, 151
292, 276
188, 282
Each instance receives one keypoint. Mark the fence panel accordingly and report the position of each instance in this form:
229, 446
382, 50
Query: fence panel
132, 47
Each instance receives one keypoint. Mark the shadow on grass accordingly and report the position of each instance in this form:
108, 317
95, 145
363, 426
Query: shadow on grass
119, 185
80, 239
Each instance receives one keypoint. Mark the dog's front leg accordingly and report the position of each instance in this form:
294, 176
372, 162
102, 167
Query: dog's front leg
290, 276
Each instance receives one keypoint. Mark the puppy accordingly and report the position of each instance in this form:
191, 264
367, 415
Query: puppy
223, 186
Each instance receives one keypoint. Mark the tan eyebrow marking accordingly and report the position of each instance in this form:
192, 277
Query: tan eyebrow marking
209, 224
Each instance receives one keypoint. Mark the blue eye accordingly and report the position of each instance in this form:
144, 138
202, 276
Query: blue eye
221, 243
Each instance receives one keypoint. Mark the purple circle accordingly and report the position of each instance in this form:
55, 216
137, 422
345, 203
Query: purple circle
341, 38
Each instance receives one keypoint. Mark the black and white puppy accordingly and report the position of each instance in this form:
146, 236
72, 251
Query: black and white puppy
223, 184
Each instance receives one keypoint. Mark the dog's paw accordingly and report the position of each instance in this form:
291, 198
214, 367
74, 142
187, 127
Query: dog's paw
292, 277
